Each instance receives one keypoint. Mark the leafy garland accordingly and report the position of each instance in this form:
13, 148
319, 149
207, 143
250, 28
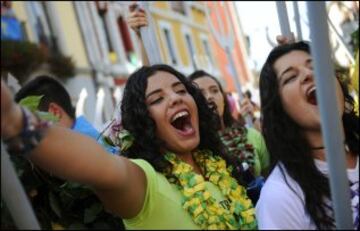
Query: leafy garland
235, 142
202, 207
197, 201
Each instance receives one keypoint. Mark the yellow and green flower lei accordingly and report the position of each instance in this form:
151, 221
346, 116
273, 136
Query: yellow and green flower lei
202, 207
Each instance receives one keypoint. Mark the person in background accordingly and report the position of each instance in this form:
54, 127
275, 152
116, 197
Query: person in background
247, 144
296, 195
250, 108
176, 175
56, 100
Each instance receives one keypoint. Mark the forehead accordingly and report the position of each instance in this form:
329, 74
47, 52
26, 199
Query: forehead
205, 82
291, 59
159, 80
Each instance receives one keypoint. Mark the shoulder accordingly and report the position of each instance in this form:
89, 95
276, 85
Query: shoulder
281, 204
253, 135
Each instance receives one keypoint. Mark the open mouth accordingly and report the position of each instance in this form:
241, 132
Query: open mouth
212, 106
181, 121
311, 96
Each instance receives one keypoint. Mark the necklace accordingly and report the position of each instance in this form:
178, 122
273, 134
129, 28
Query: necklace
235, 142
199, 203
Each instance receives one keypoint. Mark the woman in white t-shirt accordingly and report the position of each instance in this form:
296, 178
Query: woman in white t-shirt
296, 194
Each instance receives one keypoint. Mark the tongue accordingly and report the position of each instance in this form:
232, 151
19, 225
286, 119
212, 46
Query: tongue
312, 99
186, 129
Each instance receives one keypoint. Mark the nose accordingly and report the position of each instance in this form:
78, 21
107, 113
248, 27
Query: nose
208, 96
307, 75
175, 99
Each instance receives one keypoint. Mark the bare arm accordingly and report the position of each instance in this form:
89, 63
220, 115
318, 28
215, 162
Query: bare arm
136, 20
119, 183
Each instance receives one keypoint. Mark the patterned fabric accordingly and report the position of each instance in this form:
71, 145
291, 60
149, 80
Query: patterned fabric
234, 139
354, 190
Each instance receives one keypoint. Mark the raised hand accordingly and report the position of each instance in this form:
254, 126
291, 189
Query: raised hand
282, 39
246, 107
137, 18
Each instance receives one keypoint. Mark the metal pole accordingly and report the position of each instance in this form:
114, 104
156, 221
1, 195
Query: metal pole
55, 23
227, 43
331, 125
248, 119
297, 20
283, 18
14, 196
148, 36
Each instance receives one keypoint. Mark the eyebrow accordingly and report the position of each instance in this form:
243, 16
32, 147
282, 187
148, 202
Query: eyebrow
160, 90
309, 60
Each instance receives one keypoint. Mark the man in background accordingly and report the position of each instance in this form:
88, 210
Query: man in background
56, 100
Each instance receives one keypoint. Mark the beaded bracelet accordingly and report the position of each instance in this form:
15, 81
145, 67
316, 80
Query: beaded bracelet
30, 135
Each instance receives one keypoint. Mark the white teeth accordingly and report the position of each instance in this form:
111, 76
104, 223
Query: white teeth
179, 114
311, 90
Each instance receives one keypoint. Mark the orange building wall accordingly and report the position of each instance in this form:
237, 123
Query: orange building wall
219, 53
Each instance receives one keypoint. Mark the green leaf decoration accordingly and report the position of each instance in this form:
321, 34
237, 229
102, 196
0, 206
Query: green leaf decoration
108, 142
126, 139
31, 102
92, 212
47, 116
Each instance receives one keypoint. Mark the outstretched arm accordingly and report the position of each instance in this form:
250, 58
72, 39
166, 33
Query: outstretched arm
118, 182
136, 20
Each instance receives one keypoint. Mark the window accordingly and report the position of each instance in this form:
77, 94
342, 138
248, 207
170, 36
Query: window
102, 9
191, 50
170, 46
43, 29
178, 6
207, 51
125, 36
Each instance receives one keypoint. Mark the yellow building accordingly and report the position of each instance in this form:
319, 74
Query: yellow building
105, 51
183, 35
91, 37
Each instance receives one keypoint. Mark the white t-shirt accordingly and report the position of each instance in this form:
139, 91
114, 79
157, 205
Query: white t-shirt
281, 208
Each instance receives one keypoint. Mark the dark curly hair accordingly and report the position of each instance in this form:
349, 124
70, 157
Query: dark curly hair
136, 119
227, 117
284, 136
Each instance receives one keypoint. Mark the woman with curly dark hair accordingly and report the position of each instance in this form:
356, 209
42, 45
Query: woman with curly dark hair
296, 195
244, 145
176, 176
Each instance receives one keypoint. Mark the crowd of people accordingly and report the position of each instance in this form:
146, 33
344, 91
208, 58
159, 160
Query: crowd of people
186, 162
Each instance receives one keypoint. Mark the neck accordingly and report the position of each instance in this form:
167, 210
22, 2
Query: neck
316, 141
222, 124
188, 158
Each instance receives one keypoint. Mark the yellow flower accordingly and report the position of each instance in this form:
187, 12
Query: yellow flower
198, 210
199, 187
214, 178
213, 219
212, 227
206, 195
205, 211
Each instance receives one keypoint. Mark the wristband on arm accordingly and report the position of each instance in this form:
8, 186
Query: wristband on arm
30, 136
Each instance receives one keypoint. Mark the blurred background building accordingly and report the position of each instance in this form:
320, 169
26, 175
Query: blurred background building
88, 45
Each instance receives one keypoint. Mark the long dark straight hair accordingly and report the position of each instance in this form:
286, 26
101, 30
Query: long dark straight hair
287, 144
